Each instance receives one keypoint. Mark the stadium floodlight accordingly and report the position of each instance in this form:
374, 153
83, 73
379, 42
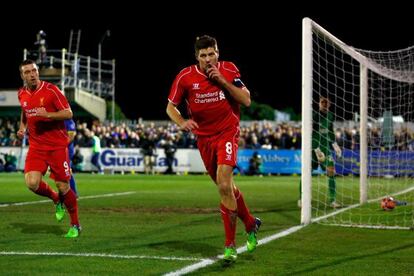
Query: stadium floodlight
377, 156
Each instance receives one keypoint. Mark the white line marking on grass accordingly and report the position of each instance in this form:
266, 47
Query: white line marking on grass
207, 262
106, 195
100, 255
81, 197
240, 250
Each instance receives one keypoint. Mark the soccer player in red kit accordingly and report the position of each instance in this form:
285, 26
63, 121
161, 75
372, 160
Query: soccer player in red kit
213, 92
44, 109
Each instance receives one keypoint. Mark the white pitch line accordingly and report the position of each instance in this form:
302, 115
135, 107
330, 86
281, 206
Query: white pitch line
106, 195
207, 262
81, 197
100, 255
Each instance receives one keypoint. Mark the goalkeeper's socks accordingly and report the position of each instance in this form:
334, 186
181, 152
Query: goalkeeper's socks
332, 188
69, 199
229, 218
243, 212
45, 190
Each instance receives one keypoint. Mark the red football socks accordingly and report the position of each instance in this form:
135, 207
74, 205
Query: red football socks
243, 212
69, 199
45, 190
229, 220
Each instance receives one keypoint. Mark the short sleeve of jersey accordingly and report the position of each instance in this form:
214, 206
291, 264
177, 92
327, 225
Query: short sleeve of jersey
59, 101
232, 69
177, 89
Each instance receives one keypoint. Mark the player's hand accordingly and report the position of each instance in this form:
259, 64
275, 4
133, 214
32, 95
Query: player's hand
20, 133
337, 149
41, 112
189, 125
214, 74
320, 155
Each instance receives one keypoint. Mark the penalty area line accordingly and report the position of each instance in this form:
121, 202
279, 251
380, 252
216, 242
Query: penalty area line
80, 198
99, 255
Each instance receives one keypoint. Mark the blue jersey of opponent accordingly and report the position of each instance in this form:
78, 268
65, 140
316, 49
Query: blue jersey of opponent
70, 127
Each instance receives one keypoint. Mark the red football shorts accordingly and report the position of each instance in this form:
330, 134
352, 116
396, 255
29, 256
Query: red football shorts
219, 149
57, 160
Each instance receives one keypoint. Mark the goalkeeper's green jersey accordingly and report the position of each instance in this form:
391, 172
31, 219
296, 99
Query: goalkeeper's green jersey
323, 135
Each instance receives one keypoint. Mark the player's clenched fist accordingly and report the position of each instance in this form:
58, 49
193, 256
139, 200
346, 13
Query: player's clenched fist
20, 133
189, 125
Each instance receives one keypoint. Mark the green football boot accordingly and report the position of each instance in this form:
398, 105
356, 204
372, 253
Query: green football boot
60, 211
252, 236
74, 232
230, 254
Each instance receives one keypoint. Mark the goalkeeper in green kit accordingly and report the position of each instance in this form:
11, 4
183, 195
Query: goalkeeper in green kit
323, 142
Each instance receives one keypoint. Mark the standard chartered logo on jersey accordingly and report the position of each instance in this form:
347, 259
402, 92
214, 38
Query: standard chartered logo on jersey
209, 97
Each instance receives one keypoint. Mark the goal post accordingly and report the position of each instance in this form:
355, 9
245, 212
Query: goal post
307, 74
346, 94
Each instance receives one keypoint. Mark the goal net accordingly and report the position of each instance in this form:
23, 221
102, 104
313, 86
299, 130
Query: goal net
357, 133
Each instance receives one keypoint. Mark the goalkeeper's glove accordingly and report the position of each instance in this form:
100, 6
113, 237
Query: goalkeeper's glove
337, 149
320, 155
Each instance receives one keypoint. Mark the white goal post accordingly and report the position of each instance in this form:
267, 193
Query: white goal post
367, 92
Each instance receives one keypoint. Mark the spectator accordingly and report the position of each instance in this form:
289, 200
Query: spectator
170, 149
255, 164
96, 151
11, 162
77, 160
1, 164
148, 150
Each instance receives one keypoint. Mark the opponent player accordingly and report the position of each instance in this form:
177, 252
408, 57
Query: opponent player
71, 129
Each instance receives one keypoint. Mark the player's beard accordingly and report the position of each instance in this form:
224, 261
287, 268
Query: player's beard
32, 84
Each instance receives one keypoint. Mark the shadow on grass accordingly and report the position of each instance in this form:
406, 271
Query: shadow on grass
31, 228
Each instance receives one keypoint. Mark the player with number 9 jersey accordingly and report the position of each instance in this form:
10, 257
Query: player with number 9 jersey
44, 109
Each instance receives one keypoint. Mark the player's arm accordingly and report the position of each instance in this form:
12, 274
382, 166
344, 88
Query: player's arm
59, 115
237, 90
332, 138
177, 118
23, 125
241, 95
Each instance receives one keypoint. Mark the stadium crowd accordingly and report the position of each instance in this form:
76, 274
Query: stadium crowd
253, 135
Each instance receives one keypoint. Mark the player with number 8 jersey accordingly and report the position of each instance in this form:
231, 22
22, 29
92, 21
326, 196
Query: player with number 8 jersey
213, 93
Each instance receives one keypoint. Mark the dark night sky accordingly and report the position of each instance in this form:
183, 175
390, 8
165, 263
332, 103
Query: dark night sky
152, 46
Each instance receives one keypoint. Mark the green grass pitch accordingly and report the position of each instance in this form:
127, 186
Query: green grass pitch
167, 223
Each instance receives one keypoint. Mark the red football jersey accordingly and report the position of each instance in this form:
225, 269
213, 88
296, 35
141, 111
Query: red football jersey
209, 105
44, 133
